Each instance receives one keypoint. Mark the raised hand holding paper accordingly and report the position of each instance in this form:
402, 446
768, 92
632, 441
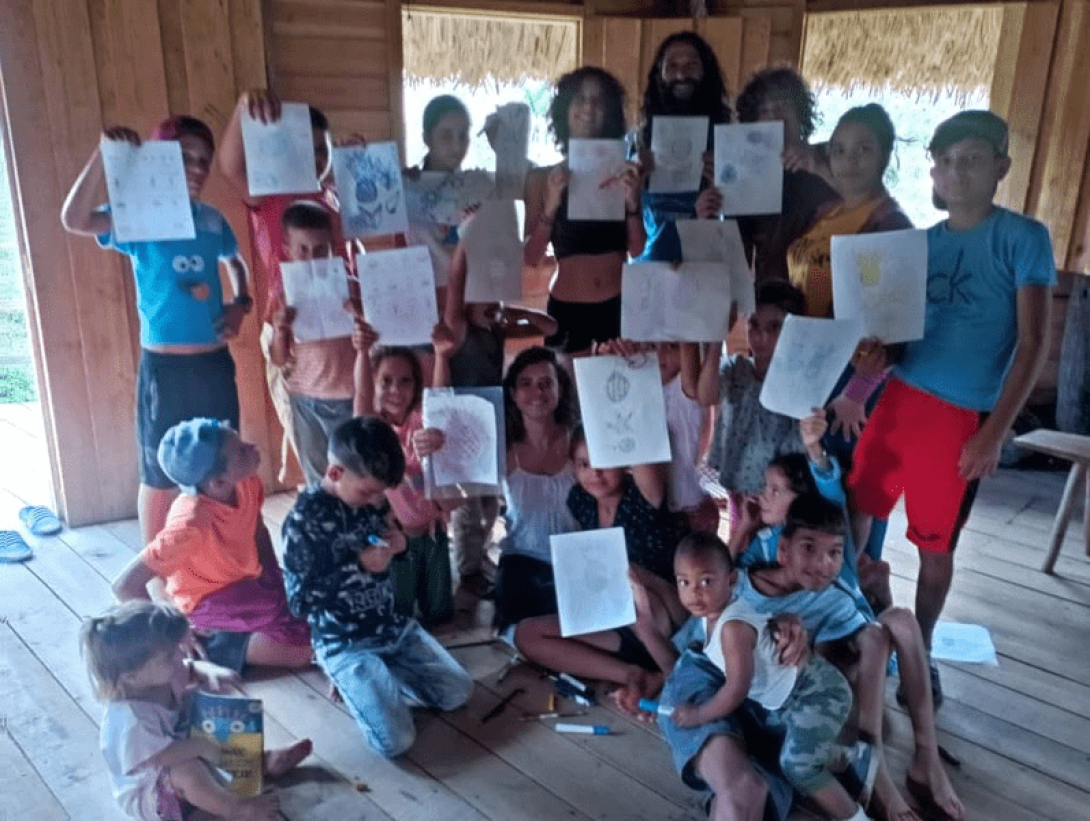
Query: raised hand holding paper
493, 253
508, 130
442, 198
469, 429
809, 358
317, 289
720, 241
881, 279
623, 410
596, 187
690, 303
398, 292
369, 184
678, 145
149, 197
280, 155
592, 588
749, 168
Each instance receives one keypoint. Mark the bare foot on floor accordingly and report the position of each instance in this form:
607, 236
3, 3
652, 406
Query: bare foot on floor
928, 773
640, 684
888, 803
278, 762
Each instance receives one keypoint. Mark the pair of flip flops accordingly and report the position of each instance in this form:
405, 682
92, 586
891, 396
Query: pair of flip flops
13, 548
40, 521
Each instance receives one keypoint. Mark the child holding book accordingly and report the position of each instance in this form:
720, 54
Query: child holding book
214, 558
136, 659
339, 540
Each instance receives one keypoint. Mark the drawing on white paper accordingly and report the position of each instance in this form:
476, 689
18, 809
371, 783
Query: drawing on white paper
369, 185
749, 168
678, 146
317, 289
971, 643
720, 241
149, 196
881, 279
810, 356
596, 186
398, 292
442, 198
493, 253
623, 410
592, 588
508, 130
468, 423
660, 302
280, 155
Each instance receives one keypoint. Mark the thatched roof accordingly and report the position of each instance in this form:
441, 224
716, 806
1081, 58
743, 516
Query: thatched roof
926, 51
468, 47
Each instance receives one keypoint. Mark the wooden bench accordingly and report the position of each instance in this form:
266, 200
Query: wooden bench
1075, 449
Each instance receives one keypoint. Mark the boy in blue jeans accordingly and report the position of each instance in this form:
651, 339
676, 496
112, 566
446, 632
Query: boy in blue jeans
951, 400
339, 540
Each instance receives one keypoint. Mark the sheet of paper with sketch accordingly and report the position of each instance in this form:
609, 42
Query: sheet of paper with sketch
508, 130
317, 289
623, 410
398, 292
687, 303
280, 155
596, 185
592, 588
749, 168
720, 241
443, 198
368, 181
149, 196
810, 355
881, 279
468, 423
678, 144
493, 253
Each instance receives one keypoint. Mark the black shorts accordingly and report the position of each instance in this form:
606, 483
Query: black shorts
580, 324
171, 388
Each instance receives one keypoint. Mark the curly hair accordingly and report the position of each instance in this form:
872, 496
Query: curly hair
711, 96
785, 82
568, 86
566, 413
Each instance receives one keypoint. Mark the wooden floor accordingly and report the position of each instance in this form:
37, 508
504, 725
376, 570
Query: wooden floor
1021, 730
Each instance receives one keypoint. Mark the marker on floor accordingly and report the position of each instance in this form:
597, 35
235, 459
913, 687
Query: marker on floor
585, 729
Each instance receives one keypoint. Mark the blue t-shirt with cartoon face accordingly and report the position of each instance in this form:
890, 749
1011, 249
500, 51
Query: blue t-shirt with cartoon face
178, 292
971, 321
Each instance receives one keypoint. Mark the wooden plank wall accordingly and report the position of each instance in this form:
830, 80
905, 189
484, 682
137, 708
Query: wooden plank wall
70, 67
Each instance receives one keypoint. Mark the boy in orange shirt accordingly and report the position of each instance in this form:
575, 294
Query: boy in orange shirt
214, 558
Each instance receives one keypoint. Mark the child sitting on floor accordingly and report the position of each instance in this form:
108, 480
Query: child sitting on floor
138, 667
214, 557
339, 540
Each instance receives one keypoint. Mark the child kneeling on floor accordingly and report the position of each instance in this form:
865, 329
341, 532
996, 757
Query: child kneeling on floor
339, 540
136, 659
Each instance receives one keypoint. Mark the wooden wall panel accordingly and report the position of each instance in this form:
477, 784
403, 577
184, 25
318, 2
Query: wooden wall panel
725, 36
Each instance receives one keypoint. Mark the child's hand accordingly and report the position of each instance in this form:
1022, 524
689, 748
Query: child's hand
620, 347
444, 340
849, 416
283, 317
364, 336
749, 513
427, 441
262, 105
708, 203
870, 359
812, 428
555, 184
216, 678
121, 133
208, 751
791, 638
686, 715
230, 320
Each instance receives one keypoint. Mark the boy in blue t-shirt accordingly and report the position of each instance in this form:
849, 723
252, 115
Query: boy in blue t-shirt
339, 540
950, 402
185, 370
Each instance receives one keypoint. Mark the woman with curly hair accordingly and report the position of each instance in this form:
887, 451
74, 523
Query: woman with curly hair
585, 294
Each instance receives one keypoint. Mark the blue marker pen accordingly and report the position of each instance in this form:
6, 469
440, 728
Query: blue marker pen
652, 706
377, 541
585, 729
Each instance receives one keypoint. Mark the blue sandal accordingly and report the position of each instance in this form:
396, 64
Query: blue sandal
41, 521
13, 548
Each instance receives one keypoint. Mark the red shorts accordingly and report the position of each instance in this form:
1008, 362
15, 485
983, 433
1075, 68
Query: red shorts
910, 447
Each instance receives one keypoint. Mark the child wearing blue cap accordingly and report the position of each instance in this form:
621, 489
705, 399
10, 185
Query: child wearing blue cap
214, 557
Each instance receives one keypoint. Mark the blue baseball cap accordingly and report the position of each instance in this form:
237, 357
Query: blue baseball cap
188, 452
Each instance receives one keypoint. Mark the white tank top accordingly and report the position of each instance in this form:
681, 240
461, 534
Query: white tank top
537, 508
772, 681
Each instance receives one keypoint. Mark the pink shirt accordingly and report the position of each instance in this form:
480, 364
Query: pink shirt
416, 512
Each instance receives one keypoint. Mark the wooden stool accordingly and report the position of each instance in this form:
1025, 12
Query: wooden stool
1075, 449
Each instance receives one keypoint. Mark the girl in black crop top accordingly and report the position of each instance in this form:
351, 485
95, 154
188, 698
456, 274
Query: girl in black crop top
585, 293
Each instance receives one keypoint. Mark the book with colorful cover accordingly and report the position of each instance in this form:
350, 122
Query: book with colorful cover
236, 726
